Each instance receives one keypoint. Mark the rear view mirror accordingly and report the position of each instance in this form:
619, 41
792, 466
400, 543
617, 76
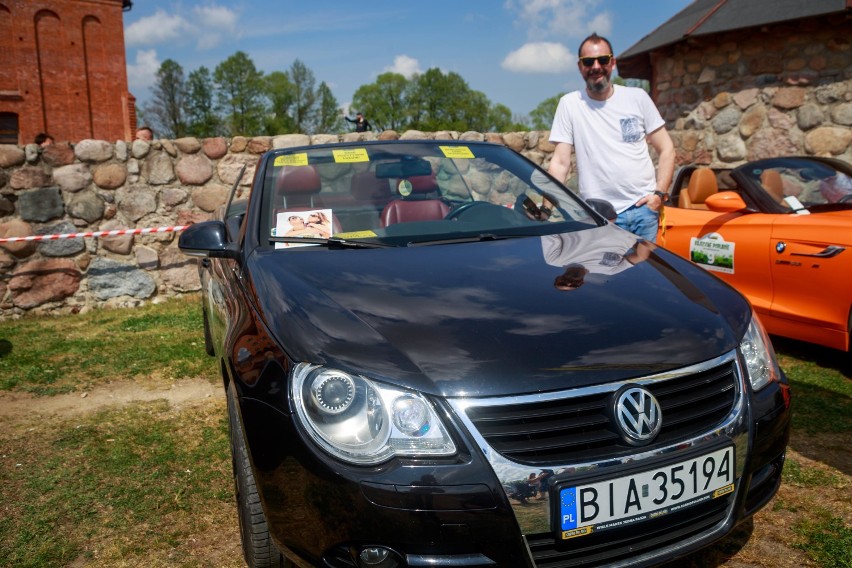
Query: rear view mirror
408, 166
603, 208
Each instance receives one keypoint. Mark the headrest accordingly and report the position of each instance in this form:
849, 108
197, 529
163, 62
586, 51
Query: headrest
702, 184
423, 184
298, 180
773, 184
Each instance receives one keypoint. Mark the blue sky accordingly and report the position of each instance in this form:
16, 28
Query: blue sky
517, 52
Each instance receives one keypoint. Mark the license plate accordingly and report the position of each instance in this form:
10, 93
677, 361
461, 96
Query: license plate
634, 498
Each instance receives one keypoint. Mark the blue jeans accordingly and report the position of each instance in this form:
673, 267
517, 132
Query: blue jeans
641, 221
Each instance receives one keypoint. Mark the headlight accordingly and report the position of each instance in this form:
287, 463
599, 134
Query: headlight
759, 355
364, 422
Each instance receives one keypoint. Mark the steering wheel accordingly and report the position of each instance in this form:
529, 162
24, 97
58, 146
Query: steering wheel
458, 211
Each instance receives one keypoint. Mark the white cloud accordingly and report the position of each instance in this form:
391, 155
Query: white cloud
214, 24
541, 57
207, 26
557, 19
218, 17
142, 74
405, 66
154, 30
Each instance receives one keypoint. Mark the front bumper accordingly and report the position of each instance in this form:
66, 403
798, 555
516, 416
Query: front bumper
458, 512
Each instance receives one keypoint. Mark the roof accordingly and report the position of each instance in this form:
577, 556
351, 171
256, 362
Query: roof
707, 17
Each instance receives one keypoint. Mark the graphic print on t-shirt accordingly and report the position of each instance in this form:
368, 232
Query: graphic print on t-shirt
630, 131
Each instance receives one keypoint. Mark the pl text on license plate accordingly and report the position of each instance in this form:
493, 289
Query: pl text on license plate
625, 500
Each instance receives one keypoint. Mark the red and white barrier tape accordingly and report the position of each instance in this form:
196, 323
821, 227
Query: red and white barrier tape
114, 233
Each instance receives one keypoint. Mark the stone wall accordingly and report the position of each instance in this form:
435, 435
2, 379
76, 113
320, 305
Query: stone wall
98, 186
778, 90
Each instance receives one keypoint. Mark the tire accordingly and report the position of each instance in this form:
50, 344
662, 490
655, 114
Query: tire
208, 339
258, 549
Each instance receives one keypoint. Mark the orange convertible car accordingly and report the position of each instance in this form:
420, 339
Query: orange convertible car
780, 231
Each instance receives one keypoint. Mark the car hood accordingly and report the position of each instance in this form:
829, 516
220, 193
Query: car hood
485, 318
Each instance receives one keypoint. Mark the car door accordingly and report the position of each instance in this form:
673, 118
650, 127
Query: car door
734, 246
811, 262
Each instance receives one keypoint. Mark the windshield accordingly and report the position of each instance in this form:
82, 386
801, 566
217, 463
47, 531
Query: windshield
403, 193
794, 183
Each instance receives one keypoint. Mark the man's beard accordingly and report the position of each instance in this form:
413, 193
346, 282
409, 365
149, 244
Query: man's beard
598, 86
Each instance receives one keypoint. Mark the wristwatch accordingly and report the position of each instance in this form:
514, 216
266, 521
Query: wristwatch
664, 197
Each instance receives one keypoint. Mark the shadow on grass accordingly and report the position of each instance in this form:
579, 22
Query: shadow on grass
835, 359
822, 401
5, 347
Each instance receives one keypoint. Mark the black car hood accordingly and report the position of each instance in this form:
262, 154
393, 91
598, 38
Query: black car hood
485, 319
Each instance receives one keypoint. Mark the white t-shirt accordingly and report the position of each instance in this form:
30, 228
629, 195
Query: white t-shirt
613, 161
600, 251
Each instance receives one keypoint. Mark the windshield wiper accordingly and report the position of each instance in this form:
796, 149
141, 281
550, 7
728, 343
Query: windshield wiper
466, 239
333, 242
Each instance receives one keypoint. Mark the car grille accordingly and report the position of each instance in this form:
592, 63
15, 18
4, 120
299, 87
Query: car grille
579, 428
611, 546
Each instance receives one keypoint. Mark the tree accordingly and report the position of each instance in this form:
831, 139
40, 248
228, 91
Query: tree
239, 93
384, 102
304, 97
328, 111
500, 119
445, 102
280, 91
166, 109
542, 115
202, 120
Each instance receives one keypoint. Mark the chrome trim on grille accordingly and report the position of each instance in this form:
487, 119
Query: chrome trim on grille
734, 427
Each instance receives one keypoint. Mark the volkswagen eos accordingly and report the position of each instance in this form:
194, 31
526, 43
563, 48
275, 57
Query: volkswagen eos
436, 355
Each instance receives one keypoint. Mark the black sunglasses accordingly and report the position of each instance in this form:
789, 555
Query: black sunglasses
602, 59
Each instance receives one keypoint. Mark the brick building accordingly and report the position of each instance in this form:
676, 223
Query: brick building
64, 71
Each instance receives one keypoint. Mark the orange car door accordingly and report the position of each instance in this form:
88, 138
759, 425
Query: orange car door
733, 246
810, 267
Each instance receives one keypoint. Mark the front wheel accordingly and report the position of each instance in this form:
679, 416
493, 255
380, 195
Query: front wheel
258, 548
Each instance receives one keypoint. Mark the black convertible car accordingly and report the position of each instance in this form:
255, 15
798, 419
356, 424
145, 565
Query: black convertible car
436, 355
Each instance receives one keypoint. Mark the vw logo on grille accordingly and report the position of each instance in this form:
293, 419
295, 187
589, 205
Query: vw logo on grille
638, 416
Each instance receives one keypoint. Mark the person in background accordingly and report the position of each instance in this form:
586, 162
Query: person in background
361, 123
608, 127
145, 133
43, 139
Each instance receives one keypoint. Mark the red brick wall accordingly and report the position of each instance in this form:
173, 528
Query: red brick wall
64, 69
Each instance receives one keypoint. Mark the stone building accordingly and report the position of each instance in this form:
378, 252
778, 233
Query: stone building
739, 80
64, 71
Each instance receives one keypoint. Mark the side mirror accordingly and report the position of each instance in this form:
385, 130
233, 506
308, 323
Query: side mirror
603, 208
208, 240
725, 202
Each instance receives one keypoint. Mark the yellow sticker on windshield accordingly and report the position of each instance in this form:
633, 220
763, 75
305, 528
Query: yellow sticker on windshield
291, 160
457, 152
350, 156
356, 235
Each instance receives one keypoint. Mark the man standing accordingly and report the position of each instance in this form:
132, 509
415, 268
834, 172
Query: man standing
609, 127
361, 123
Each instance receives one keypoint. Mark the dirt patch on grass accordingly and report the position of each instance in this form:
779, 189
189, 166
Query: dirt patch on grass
22, 408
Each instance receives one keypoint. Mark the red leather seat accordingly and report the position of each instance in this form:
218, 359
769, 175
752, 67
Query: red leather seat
417, 205
297, 186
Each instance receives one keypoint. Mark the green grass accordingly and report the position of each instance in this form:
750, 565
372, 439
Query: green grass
826, 539
55, 354
822, 389
133, 477
802, 476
